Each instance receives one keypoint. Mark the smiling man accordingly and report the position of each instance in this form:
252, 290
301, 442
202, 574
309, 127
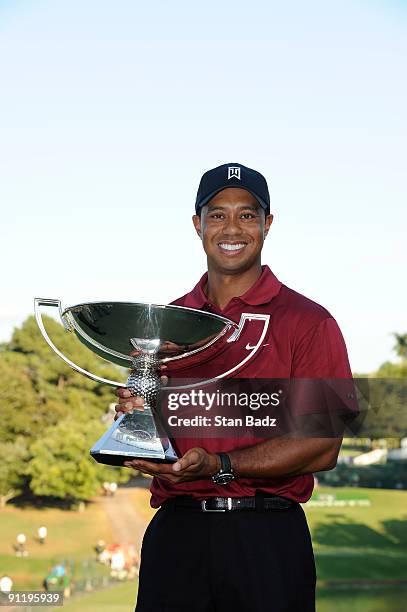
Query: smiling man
230, 533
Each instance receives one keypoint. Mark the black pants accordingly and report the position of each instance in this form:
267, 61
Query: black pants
240, 561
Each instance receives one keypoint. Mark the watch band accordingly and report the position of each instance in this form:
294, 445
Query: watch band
225, 463
225, 474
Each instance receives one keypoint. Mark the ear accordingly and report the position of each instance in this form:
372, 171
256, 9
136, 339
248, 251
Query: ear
196, 220
267, 224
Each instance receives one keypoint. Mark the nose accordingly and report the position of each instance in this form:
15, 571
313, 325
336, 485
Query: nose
232, 226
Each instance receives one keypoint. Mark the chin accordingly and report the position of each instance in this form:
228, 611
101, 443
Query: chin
233, 267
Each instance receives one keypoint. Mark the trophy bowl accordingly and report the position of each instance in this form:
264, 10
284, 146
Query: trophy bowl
139, 337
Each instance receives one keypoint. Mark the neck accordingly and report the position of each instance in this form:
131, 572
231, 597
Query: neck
221, 288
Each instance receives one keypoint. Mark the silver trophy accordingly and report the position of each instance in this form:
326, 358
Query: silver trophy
141, 337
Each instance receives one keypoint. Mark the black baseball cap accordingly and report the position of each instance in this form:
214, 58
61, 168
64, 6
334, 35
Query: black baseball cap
232, 175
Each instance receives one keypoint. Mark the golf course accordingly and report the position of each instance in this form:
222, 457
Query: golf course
359, 540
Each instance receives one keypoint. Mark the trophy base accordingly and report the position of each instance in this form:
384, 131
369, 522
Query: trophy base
118, 460
133, 436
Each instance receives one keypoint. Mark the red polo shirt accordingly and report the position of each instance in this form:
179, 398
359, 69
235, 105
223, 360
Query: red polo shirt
303, 341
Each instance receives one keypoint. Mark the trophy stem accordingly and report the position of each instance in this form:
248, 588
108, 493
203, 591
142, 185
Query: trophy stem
144, 380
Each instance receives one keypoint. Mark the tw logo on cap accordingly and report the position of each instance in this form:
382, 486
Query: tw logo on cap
234, 171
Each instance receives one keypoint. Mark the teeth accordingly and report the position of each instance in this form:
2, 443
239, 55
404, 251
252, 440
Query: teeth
231, 247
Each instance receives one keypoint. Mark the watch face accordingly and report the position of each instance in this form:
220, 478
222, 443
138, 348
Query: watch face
223, 479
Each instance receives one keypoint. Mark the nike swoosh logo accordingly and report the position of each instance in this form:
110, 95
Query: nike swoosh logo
250, 348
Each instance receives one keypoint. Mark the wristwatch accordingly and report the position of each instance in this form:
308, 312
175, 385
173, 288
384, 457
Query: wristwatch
226, 473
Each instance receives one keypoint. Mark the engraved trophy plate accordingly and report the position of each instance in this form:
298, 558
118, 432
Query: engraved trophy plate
140, 337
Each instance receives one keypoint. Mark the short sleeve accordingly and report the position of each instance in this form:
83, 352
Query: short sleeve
321, 353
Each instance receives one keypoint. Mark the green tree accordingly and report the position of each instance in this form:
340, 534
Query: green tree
61, 465
37, 389
46, 368
20, 404
43, 400
387, 417
401, 345
13, 457
389, 369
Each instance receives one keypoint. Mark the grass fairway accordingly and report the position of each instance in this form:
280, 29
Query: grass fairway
362, 600
119, 598
352, 543
357, 543
141, 500
71, 535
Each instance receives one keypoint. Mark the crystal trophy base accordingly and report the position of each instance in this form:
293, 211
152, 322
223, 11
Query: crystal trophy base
133, 436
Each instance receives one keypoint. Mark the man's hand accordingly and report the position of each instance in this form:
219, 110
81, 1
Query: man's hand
129, 402
196, 464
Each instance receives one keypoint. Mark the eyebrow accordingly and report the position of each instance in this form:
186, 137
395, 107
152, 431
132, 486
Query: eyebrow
212, 207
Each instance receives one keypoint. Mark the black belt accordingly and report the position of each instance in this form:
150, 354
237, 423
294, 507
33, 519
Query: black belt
225, 504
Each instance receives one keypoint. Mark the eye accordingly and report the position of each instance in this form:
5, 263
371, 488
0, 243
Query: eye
216, 216
248, 215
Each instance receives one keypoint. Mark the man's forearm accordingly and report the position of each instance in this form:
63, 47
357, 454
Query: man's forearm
285, 457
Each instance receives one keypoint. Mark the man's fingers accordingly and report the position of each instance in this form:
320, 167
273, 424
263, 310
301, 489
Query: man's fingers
127, 407
122, 392
130, 403
191, 459
163, 470
134, 466
164, 378
141, 466
125, 394
136, 401
149, 467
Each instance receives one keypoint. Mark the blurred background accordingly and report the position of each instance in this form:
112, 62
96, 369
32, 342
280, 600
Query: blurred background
109, 115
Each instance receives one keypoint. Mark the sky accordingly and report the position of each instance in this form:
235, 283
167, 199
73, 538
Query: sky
110, 112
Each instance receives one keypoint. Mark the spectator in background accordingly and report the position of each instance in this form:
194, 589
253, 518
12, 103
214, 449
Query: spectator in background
100, 549
106, 488
109, 488
20, 546
117, 563
58, 579
113, 488
42, 534
6, 584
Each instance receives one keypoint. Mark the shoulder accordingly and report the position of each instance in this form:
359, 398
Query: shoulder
180, 301
317, 344
300, 309
308, 324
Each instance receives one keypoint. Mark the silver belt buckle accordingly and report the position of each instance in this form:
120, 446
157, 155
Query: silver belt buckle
205, 509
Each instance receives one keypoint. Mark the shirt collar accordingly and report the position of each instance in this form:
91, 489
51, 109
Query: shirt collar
264, 289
